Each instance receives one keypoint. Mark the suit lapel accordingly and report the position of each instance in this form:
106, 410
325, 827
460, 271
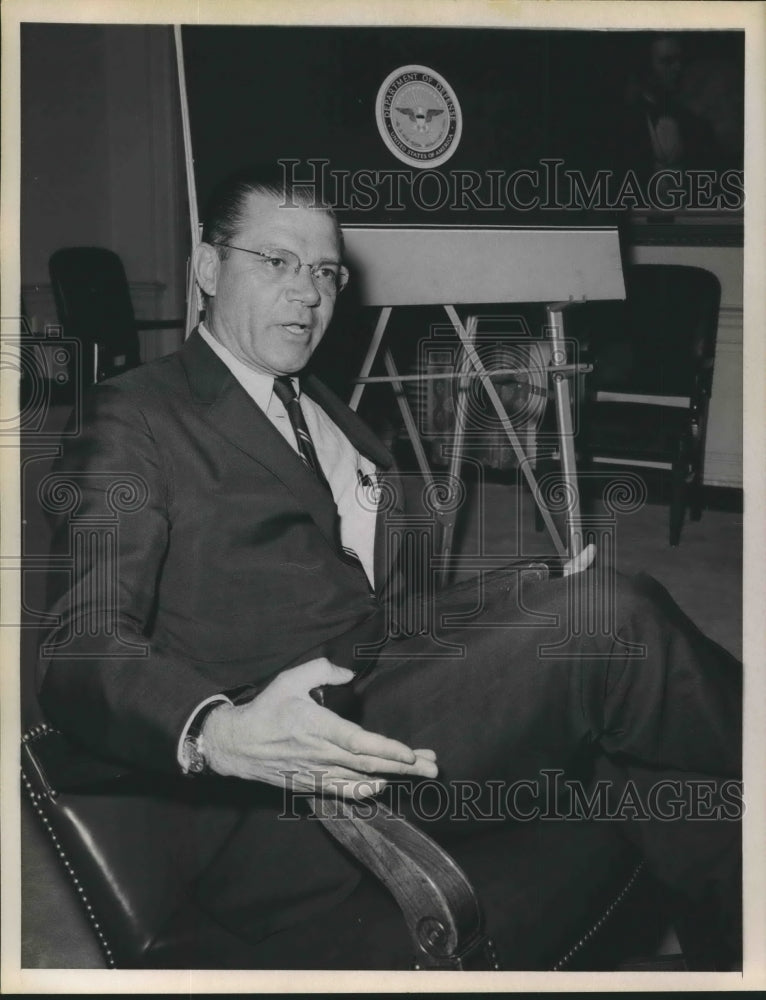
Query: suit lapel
387, 539
225, 405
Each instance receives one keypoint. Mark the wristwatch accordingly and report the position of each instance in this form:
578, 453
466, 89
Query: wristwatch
193, 745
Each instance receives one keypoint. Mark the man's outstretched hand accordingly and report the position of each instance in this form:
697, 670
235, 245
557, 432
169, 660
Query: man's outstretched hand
283, 737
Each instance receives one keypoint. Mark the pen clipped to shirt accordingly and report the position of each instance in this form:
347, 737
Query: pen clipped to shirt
369, 484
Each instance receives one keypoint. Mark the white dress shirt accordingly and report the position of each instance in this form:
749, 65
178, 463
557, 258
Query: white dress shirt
344, 468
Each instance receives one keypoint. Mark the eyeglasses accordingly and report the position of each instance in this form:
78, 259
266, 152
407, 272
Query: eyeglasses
278, 265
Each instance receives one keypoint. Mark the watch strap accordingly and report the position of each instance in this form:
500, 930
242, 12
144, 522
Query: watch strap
193, 747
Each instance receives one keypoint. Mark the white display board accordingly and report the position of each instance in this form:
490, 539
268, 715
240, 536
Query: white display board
436, 265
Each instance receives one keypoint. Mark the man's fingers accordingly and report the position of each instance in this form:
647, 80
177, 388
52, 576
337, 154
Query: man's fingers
339, 675
313, 673
358, 741
581, 561
376, 765
361, 742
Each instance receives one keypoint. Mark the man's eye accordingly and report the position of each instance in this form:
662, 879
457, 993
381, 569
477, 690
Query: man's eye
275, 262
326, 272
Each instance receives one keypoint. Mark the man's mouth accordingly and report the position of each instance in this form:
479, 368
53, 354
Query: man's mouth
297, 328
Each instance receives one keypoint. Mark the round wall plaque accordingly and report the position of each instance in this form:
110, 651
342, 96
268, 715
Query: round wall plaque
419, 116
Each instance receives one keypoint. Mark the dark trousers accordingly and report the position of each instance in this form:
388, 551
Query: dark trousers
518, 686
501, 697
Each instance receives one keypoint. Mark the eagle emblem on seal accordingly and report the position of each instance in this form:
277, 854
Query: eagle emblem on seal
418, 116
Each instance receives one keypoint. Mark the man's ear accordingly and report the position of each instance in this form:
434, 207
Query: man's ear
207, 264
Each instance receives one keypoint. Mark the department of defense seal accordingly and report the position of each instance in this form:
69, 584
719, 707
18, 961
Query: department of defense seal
419, 116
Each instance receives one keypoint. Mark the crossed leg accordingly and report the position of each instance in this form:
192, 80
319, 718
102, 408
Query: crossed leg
651, 704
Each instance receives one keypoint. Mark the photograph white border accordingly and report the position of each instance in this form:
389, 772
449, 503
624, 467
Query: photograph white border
619, 15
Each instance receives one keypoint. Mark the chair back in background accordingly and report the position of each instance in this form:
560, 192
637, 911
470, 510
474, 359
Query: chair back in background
647, 398
94, 306
656, 341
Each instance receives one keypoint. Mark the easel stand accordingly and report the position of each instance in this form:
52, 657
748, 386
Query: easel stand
471, 366
434, 265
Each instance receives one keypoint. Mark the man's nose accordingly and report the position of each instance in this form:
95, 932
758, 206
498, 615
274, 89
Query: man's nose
303, 287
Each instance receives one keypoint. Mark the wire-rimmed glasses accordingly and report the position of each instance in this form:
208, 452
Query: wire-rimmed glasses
329, 276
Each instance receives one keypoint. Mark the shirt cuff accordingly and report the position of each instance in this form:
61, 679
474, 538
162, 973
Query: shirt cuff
181, 752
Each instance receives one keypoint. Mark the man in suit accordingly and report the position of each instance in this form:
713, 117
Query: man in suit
251, 568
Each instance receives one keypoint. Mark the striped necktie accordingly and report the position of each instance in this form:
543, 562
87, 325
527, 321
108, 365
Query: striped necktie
285, 392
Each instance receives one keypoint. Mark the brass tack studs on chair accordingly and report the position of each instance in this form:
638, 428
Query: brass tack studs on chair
36, 799
599, 923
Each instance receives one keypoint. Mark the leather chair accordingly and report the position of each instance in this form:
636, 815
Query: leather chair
647, 399
94, 306
105, 864
555, 895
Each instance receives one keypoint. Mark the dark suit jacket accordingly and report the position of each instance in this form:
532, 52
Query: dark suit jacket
226, 569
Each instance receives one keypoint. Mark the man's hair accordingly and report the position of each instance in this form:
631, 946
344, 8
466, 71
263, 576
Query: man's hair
225, 209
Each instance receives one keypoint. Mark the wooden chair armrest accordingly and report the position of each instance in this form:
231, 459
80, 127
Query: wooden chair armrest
65, 783
439, 905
